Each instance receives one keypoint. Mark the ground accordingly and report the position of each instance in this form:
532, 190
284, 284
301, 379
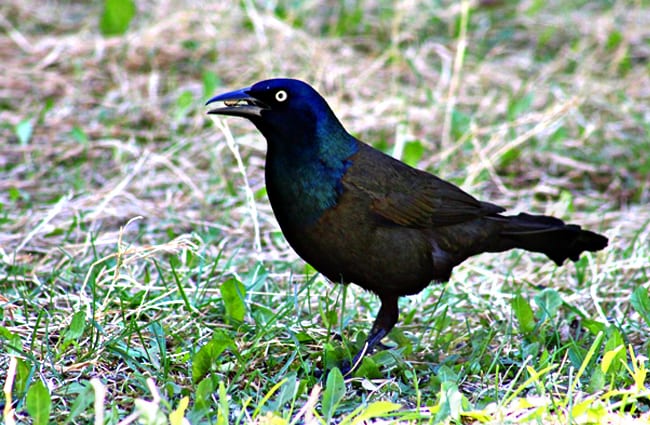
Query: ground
143, 275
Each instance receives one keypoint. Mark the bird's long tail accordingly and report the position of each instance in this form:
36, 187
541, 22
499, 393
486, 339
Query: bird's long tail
551, 236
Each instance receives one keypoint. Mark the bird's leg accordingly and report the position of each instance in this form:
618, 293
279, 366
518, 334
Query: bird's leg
384, 322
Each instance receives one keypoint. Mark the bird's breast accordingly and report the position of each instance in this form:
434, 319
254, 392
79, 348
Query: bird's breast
301, 192
348, 243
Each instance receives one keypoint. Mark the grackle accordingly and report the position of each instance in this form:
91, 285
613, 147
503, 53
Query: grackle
360, 216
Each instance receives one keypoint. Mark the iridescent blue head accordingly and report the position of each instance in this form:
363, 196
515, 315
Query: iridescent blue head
308, 148
289, 113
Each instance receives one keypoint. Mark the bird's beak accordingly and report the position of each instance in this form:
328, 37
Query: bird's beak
238, 103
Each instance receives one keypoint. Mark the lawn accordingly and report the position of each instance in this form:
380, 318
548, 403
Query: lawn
144, 278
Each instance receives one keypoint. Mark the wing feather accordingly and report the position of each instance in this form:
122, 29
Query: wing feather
414, 198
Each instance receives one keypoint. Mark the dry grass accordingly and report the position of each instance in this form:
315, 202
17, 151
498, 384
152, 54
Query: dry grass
124, 187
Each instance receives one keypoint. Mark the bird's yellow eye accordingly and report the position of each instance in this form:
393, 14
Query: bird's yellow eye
281, 95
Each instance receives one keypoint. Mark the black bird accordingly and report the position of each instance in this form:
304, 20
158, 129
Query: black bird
358, 215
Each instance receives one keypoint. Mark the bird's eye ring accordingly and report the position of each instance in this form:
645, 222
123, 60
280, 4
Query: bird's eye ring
281, 95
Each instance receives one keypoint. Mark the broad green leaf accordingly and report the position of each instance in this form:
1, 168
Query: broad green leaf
641, 303
548, 301
207, 358
613, 348
596, 381
39, 403
460, 123
11, 342
451, 402
509, 156
524, 314
447, 374
24, 371
333, 393
614, 338
534, 7
609, 357
14, 194
232, 294
116, 17
24, 130
332, 355
203, 395
413, 152
77, 326
368, 369
210, 83
614, 40
594, 326
79, 135
184, 102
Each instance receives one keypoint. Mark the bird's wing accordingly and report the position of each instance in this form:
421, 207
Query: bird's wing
414, 198
435, 204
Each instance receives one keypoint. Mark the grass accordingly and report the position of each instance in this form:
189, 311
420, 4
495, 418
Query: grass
142, 274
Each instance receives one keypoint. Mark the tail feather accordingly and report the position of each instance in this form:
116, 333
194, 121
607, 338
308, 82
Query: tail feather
551, 236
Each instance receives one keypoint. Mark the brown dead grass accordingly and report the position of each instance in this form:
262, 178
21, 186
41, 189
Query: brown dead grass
136, 78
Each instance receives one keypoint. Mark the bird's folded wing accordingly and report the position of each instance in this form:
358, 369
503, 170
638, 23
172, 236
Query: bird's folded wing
433, 205
409, 197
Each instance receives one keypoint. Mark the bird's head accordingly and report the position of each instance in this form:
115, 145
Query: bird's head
286, 111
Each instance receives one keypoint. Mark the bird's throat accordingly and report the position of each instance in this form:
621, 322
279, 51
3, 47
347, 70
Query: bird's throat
304, 183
